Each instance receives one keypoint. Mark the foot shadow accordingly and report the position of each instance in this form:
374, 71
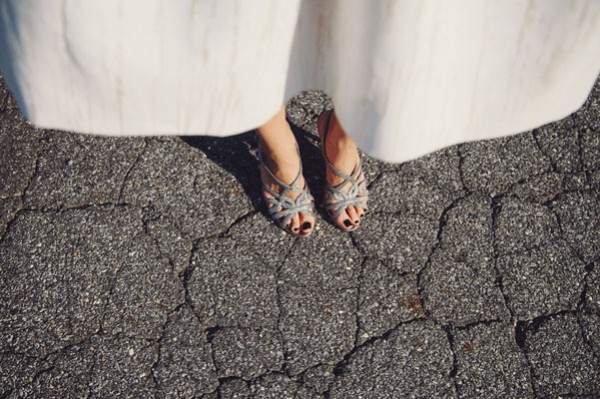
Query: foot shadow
238, 156
235, 154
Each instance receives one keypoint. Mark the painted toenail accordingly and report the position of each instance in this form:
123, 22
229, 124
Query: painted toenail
347, 223
295, 229
356, 221
306, 225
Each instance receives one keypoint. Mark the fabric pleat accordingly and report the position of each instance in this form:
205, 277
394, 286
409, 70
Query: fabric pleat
407, 77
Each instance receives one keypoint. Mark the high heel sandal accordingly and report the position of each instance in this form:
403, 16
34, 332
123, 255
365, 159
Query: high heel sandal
336, 198
282, 208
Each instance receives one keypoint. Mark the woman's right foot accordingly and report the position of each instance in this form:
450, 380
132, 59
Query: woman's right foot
285, 167
281, 161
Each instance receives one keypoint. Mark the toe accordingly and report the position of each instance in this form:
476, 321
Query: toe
361, 212
295, 224
353, 215
306, 224
344, 222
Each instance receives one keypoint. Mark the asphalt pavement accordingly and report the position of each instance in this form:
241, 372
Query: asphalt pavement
147, 267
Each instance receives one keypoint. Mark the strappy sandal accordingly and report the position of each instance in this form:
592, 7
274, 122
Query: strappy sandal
282, 208
337, 198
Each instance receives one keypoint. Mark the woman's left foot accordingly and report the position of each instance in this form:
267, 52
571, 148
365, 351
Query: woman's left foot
346, 194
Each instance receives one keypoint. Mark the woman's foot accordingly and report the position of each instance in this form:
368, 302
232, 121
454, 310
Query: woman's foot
280, 155
341, 151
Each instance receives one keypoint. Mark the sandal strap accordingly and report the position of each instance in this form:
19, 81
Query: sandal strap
285, 208
337, 201
290, 186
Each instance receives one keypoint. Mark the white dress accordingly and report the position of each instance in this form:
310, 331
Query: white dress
406, 76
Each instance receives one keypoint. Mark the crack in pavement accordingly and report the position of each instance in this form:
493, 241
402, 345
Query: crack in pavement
36, 169
496, 209
22, 195
278, 284
159, 345
442, 221
535, 135
523, 327
556, 184
128, 173
341, 366
147, 218
454, 369
559, 222
225, 233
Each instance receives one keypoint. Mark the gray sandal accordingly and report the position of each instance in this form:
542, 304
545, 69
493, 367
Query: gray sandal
336, 200
284, 208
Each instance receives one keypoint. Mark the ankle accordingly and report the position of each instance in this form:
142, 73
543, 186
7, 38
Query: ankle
281, 158
336, 136
340, 145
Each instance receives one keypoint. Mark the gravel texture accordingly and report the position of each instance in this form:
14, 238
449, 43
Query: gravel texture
149, 268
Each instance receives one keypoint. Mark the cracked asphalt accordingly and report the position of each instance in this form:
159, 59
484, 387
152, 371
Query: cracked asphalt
148, 268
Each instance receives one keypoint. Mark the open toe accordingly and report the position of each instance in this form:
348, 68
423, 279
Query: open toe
343, 201
283, 209
353, 215
306, 224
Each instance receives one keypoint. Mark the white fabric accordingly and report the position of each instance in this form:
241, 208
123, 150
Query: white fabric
406, 77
